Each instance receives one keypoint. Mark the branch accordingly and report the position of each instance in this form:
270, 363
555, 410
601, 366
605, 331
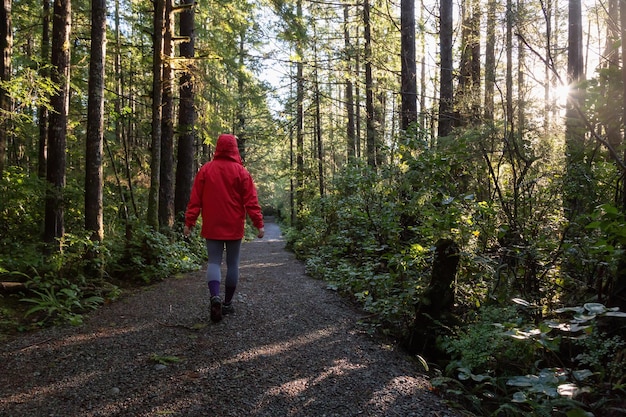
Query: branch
621, 164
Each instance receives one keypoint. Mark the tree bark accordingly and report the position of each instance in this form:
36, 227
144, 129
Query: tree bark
611, 115
42, 112
318, 124
433, 312
509, 70
409, 65
446, 92
617, 296
490, 61
157, 101
95, 122
186, 112
54, 227
240, 129
166, 181
370, 116
350, 128
6, 45
299, 121
574, 126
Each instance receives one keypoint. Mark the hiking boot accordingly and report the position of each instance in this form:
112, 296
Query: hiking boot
228, 308
216, 309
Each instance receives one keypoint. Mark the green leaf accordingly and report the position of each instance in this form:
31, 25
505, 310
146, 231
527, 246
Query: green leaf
595, 308
594, 225
567, 309
519, 397
521, 302
582, 374
578, 412
522, 381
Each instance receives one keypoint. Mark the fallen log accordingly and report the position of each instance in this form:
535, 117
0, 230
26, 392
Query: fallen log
11, 287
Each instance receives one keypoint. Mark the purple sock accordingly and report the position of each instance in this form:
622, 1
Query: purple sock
214, 288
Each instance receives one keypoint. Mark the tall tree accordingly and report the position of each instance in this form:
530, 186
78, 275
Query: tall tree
318, 118
618, 290
446, 92
547, 8
95, 122
409, 65
490, 60
610, 115
157, 101
186, 110
370, 116
574, 128
350, 122
299, 112
42, 112
6, 45
240, 128
509, 70
166, 181
54, 227
521, 64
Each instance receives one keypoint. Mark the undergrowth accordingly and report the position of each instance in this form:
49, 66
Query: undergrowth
372, 238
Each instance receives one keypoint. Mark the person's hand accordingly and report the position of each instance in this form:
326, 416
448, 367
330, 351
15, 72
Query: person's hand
187, 231
261, 232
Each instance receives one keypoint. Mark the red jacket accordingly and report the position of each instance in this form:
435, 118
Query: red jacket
223, 192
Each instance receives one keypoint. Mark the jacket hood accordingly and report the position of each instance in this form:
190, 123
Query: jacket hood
227, 148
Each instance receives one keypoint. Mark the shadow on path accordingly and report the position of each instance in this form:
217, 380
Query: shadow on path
292, 348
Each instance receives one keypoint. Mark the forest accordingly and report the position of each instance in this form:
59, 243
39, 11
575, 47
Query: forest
455, 169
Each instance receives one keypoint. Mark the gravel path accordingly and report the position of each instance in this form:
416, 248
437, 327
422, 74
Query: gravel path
292, 348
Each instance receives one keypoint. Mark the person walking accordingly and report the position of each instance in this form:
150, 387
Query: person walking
223, 193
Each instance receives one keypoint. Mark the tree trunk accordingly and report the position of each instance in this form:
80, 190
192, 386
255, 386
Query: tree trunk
446, 93
611, 115
433, 312
299, 122
6, 45
318, 124
423, 135
54, 227
548, 83
350, 132
490, 61
409, 65
186, 112
240, 129
166, 181
157, 101
475, 108
463, 95
617, 296
521, 65
574, 128
509, 70
95, 122
357, 95
42, 112
370, 116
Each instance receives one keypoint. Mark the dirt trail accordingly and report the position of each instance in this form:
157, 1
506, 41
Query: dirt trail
292, 348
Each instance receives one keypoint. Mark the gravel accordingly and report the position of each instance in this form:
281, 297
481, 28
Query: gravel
292, 348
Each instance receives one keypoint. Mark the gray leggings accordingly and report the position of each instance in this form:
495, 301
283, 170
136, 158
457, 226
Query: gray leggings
215, 251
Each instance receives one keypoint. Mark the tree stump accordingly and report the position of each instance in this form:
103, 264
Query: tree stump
433, 312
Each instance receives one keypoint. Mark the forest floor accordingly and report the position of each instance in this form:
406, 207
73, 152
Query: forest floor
292, 348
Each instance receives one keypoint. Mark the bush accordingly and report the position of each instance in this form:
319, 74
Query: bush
150, 256
516, 367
